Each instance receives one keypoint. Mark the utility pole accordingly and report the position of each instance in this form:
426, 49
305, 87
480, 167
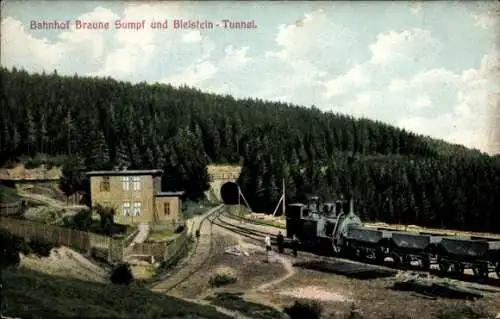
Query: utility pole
284, 195
239, 204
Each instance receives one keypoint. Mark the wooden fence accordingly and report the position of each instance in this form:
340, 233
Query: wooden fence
10, 208
72, 238
113, 248
162, 250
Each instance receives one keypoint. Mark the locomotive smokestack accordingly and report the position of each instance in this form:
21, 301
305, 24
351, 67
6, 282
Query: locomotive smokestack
351, 206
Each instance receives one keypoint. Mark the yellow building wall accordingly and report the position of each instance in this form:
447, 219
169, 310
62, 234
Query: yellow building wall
175, 216
117, 196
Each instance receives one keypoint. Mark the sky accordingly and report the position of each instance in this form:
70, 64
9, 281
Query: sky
429, 67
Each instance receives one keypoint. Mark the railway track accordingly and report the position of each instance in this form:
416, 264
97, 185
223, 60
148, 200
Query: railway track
257, 235
197, 258
252, 234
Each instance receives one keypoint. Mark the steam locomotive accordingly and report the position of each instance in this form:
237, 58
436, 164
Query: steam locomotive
335, 225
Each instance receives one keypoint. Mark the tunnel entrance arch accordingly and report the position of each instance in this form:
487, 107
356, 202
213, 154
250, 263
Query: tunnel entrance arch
229, 193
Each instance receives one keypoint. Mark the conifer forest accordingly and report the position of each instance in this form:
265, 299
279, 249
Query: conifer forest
394, 176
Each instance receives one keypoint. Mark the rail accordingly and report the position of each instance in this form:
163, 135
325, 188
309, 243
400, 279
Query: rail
210, 214
253, 221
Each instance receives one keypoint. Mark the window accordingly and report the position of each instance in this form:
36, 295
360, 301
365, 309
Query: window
126, 209
136, 180
137, 209
126, 182
104, 186
166, 209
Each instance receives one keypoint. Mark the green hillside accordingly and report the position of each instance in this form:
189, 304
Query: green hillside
396, 176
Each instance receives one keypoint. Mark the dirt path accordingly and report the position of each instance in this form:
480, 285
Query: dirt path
290, 271
47, 200
286, 262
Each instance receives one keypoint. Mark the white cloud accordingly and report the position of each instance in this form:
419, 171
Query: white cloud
134, 49
394, 54
437, 102
192, 37
416, 6
488, 19
22, 48
193, 75
469, 120
348, 81
234, 58
422, 102
410, 45
306, 53
318, 34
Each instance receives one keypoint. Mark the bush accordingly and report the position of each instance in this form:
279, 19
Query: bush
36, 247
223, 276
83, 219
44, 214
179, 229
304, 310
11, 246
107, 215
122, 274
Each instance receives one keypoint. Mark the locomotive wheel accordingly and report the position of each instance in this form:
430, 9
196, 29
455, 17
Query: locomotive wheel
351, 253
481, 271
397, 260
458, 269
443, 266
426, 263
360, 255
379, 257
407, 260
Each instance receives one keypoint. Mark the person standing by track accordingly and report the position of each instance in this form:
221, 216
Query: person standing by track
267, 242
295, 245
281, 242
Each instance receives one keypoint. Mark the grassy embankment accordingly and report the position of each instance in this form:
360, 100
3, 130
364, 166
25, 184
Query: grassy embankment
30, 294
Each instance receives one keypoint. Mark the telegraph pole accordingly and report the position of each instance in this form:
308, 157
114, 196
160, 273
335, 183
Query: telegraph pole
239, 204
284, 195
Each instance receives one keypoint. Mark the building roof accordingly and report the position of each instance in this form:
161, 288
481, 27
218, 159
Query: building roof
127, 172
169, 194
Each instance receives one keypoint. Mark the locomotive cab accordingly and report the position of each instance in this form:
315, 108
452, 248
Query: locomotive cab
294, 215
313, 205
329, 210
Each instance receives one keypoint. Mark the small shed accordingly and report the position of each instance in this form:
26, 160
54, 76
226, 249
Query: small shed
169, 207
